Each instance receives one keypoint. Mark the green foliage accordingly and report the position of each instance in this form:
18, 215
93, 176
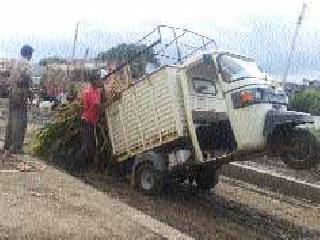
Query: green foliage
60, 137
306, 101
73, 89
61, 140
138, 55
50, 60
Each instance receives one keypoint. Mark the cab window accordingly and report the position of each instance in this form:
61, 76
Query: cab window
204, 86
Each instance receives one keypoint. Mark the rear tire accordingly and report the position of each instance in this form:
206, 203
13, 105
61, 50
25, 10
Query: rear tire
300, 149
147, 179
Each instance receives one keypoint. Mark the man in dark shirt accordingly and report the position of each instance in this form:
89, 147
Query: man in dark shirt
20, 78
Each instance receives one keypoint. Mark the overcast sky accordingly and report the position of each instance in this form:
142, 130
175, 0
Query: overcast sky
262, 29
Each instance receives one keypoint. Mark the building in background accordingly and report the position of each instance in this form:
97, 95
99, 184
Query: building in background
307, 84
5, 67
57, 76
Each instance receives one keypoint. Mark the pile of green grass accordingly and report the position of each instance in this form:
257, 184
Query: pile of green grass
60, 140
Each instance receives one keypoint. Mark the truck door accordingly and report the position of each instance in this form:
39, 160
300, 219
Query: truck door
207, 102
242, 81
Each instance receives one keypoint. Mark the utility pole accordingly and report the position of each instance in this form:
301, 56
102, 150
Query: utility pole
299, 22
73, 51
75, 40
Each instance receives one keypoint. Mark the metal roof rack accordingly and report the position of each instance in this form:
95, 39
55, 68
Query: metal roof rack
171, 46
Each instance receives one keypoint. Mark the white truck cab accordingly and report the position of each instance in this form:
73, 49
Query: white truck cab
232, 90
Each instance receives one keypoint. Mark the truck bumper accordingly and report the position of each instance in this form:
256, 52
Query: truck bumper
275, 118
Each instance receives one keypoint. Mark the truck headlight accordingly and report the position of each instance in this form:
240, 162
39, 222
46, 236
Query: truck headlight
252, 96
246, 97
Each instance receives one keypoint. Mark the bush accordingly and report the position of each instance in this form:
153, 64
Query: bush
306, 101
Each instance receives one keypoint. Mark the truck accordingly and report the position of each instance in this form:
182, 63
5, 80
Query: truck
184, 121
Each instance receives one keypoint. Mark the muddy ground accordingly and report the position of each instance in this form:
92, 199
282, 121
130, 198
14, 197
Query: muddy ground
51, 203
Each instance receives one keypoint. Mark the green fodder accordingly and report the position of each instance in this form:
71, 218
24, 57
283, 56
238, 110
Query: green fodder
60, 140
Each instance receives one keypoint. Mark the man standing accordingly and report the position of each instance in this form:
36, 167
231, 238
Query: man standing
90, 115
20, 78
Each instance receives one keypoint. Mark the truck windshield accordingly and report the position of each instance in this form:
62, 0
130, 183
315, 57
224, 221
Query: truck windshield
238, 68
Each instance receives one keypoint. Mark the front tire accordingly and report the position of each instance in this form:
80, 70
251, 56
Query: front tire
300, 149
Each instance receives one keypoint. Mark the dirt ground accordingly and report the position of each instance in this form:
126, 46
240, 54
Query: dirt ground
45, 202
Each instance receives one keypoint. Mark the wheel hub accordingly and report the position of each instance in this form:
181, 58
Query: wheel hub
147, 179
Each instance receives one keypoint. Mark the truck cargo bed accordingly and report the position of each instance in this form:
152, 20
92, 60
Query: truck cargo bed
147, 115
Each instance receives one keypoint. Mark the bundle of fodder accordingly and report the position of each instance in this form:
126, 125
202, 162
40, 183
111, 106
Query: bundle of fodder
60, 140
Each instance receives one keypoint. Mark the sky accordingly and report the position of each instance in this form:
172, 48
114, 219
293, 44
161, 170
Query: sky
261, 29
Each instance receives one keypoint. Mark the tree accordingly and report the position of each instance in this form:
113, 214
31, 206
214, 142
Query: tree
50, 60
138, 56
306, 101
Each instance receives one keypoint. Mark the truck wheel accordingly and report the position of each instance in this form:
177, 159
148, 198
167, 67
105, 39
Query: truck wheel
300, 149
148, 179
